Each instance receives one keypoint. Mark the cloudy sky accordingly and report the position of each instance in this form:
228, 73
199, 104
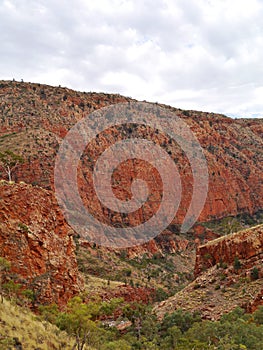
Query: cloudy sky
192, 54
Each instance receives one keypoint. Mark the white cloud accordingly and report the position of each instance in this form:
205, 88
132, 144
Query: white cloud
204, 54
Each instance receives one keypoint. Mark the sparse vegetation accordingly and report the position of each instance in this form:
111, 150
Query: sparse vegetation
19, 325
231, 224
168, 272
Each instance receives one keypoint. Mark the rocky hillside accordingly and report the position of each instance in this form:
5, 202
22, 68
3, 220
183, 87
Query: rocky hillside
35, 117
229, 273
246, 246
37, 241
34, 236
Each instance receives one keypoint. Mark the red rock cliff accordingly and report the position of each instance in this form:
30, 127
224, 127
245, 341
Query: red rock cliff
35, 238
246, 246
36, 117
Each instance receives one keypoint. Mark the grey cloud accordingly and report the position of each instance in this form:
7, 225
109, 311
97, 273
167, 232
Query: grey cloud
168, 46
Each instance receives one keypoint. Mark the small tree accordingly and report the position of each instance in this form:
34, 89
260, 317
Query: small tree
258, 315
4, 266
9, 161
137, 313
79, 322
254, 273
172, 337
29, 296
12, 289
237, 264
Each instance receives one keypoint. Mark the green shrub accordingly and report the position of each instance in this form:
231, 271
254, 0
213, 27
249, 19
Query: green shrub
23, 227
237, 264
254, 273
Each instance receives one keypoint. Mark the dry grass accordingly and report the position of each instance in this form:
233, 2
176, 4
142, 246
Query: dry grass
20, 323
98, 284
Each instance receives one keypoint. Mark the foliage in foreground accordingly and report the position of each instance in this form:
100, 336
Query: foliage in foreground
177, 331
94, 325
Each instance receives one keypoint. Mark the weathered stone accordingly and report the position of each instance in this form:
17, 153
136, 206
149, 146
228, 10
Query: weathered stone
37, 241
246, 246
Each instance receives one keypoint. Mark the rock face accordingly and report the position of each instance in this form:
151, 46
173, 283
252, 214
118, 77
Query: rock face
36, 117
131, 294
35, 238
246, 246
229, 273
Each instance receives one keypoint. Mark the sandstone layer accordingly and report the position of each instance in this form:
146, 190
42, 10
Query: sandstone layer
246, 246
37, 241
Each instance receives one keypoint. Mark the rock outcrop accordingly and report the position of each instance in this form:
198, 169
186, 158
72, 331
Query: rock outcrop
245, 246
37, 241
229, 273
